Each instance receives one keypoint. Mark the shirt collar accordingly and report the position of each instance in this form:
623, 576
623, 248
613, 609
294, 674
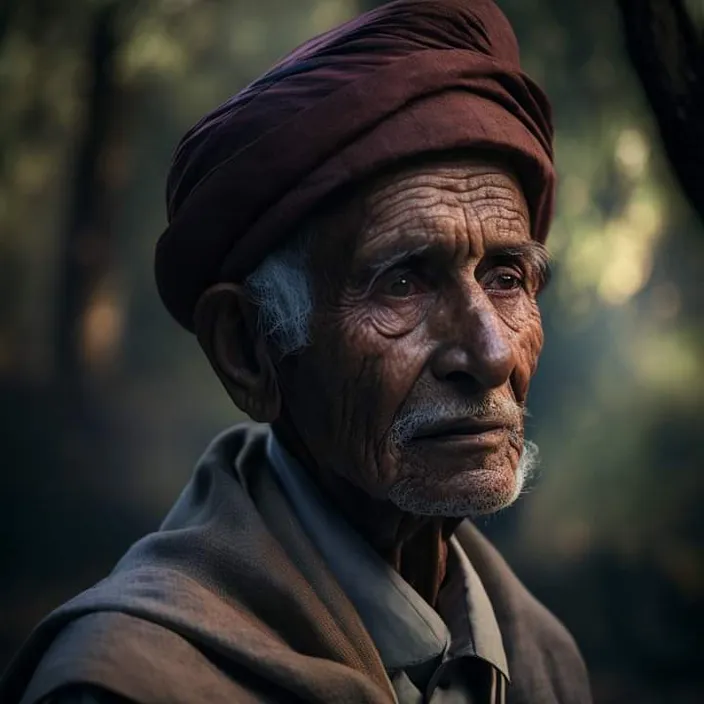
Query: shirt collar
405, 629
465, 607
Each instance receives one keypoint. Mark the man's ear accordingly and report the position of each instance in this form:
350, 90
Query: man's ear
226, 327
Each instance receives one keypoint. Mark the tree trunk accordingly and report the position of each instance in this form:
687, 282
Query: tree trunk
84, 258
667, 53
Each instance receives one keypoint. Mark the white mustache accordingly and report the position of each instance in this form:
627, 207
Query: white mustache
504, 410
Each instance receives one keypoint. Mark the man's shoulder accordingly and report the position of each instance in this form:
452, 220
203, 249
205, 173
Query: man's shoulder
540, 649
222, 576
191, 578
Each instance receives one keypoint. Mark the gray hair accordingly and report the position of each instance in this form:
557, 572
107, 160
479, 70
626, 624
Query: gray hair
281, 287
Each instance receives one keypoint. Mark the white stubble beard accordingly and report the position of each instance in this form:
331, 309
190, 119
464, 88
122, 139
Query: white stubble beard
412, 497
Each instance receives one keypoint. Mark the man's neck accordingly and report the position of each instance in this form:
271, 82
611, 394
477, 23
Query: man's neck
415, 546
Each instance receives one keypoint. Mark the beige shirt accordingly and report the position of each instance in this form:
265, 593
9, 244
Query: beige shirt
454, 655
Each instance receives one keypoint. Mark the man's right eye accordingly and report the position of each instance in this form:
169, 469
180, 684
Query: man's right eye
399, 285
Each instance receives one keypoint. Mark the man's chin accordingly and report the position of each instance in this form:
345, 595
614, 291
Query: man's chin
471, 493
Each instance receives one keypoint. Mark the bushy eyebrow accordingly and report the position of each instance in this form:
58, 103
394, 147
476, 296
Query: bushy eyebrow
534, 254
380, 264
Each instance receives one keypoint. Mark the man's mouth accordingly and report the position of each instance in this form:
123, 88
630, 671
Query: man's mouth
475, 432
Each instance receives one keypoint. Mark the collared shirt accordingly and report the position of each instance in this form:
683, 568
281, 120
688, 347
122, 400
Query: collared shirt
454, 655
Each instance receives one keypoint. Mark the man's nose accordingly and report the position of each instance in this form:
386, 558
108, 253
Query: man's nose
477, 349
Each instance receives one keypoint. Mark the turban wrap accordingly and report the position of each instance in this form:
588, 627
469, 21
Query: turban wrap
409, 78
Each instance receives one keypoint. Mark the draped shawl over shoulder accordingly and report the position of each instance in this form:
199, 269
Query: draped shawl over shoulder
412, 77
231, 602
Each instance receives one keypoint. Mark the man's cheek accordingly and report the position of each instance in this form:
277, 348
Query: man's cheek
370, 376
368, 430
532, 342
399, 320
529, 343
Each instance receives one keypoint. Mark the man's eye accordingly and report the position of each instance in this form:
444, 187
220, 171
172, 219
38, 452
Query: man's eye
399, 286
504, 280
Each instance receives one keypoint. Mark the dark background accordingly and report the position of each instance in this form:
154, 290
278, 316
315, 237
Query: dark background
105, 404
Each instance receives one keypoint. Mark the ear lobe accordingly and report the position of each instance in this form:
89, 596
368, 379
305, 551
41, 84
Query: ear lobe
226, 327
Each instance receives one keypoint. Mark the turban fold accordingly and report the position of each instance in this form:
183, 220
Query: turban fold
412, 77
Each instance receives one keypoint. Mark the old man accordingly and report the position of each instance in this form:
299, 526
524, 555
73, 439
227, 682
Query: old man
357, 241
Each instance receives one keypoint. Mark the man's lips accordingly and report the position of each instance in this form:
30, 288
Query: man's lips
461, 436
463, 428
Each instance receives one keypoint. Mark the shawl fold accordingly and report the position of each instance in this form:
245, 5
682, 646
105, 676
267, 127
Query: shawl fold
230, 602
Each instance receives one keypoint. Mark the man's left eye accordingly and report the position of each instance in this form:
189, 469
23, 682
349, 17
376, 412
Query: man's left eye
504, 280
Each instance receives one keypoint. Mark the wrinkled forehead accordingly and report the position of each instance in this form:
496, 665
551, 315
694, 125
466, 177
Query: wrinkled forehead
425, 187
442, 193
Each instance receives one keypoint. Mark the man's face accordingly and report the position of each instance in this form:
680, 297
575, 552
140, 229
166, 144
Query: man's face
425, 334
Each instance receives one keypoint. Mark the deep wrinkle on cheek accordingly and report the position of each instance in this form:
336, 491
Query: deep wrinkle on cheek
378, 373
528, 343
360, 422
400, 319
521, 317
514, 313
532, 345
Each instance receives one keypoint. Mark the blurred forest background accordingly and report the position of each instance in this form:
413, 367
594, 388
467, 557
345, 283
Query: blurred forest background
106, 404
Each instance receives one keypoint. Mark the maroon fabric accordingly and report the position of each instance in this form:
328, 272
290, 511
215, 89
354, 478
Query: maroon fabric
411, 77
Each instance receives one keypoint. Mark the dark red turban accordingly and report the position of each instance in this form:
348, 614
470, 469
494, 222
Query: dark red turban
411, 77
